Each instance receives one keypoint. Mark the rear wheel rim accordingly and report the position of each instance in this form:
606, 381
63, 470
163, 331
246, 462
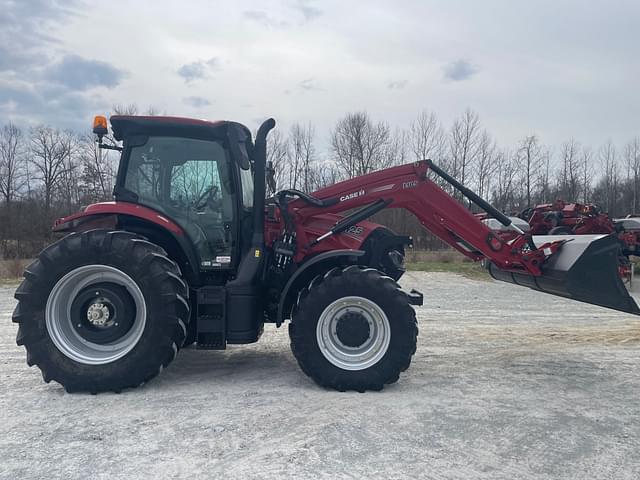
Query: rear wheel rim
63, 327
376, 339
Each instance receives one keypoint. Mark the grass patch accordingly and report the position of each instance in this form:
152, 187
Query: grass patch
422, 260
445, 261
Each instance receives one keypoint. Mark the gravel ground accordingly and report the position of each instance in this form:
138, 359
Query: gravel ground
506, 383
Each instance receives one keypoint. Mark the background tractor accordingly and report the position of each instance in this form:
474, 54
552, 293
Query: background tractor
562, 218
190, 251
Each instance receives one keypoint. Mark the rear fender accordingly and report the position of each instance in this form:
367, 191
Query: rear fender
142, 220
69, 223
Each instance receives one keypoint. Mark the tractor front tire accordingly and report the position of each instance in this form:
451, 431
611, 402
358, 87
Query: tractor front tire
101, 311
353, 329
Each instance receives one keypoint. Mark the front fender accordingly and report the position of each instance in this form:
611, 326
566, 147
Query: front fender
307, 271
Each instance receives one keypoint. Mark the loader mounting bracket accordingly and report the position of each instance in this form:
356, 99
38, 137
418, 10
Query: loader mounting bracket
415, 297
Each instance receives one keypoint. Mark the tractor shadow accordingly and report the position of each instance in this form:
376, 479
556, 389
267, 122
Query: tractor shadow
241, 364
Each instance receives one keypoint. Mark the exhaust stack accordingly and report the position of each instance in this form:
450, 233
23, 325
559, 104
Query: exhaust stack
584, 269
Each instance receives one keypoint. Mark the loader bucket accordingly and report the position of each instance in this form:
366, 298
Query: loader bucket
585, 269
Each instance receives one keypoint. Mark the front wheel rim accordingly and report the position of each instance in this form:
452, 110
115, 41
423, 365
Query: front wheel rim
61, 323
359, 357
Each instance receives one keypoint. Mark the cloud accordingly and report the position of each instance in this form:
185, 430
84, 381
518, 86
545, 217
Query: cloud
459, 70
41, 82
192, 71
48, 104
308, 11
397, 84
300, 7
81, 74
198, 70
309, 85
26, 36
306, 85
196, 101
14, 60
264, 19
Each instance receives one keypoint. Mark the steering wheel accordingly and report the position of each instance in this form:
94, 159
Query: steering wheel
208, 195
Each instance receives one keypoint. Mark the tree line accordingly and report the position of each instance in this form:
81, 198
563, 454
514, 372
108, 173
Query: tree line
46, 172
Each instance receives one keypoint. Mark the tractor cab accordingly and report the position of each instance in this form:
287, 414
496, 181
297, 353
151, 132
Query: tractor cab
195, 173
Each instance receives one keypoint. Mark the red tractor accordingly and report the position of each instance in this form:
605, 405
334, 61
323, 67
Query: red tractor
191, 252
560, 218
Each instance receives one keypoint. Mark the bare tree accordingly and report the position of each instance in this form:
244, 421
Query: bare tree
632, 164
506, 177
569, 174
122, 109
301, 157
529, 155
49, 150
326, 173
98, 169
12, 162
397, 148
277, 154
132, 109
358, 145
586, 173
68, 186
543, 179
485, 166
463, 144
427, 138
608, 160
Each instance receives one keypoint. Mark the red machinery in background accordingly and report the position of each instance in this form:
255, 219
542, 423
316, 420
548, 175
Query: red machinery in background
562, 218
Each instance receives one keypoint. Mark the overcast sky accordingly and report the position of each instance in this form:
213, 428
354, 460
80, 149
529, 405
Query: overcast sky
557, 68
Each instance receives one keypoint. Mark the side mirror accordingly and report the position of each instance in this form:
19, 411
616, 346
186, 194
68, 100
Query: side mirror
237, 145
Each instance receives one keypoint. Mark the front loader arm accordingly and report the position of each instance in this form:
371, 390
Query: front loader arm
409, 187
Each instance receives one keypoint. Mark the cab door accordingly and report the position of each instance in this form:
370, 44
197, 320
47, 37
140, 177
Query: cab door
192, 182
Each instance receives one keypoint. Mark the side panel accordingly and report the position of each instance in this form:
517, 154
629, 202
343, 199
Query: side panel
351, 239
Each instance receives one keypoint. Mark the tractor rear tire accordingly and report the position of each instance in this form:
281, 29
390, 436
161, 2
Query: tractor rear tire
101, 311
353, 329
192, 334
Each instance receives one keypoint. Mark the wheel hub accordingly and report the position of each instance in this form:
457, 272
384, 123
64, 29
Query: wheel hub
353, 329
98, 313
